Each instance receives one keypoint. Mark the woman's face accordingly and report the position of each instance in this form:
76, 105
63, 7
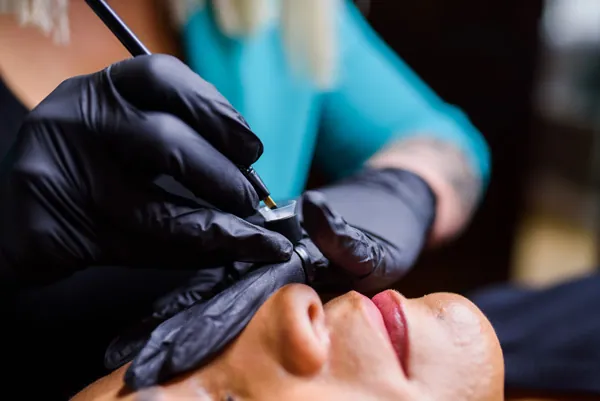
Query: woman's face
439, 347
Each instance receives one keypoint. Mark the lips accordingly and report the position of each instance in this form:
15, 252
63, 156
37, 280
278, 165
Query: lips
390, 307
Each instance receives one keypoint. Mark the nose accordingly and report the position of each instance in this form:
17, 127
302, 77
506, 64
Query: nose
298, 299
301, 320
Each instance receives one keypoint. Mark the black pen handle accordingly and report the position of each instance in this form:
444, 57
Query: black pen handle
137, 48
118, 27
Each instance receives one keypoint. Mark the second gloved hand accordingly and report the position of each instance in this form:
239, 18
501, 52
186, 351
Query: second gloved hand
387, 216
77, 188
371, 227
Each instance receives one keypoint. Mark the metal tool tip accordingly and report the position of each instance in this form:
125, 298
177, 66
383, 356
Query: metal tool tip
270, 202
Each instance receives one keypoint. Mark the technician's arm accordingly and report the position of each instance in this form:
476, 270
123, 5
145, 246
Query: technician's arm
445, 168
410, 167
381, 114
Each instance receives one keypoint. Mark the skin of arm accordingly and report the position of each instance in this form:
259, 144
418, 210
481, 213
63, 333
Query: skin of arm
446, 169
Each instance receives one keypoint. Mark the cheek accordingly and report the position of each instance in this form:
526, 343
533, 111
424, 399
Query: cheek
451, 354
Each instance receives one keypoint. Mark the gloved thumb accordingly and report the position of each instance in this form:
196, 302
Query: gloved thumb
346, 247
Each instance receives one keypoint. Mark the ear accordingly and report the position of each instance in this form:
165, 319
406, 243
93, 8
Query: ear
300, 338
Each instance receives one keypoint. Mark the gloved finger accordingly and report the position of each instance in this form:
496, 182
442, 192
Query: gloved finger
127, 344
165, 84
157, 228
191, 338
198, 289
346, 247
160, 143
202, 286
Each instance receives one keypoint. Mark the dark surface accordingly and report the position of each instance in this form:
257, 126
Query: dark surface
550, 337
481, 56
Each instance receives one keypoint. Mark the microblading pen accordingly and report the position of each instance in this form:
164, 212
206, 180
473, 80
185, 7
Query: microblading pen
137, 48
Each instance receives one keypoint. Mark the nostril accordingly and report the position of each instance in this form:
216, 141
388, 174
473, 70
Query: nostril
316, 316
313, 312
304, 347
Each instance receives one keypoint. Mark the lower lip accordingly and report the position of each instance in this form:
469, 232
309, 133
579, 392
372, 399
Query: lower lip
390, 308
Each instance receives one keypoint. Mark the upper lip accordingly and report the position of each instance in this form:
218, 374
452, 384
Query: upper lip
389, 305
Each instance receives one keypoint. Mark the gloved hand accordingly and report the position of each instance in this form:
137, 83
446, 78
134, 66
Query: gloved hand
395, 210
191, 337
77, 188
371, 227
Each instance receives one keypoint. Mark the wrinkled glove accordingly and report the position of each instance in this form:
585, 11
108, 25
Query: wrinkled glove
78, 187
394, 209
371, 227
190, 338
205, 285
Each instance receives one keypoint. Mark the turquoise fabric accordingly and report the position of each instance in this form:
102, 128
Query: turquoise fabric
377, 99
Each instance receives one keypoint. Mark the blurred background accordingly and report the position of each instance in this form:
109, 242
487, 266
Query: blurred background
528, 74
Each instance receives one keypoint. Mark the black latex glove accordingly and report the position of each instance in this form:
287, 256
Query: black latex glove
371, 227
205, 285
190, 338
77, 188
195, 322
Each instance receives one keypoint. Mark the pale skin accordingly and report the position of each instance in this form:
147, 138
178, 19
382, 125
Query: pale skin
296, 348
92, 48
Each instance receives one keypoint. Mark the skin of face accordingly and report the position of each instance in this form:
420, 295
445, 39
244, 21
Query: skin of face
438, 347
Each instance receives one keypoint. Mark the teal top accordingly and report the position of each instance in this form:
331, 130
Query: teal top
377, 99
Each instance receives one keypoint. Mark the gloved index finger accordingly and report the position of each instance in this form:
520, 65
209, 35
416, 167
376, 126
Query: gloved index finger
157, 144
163, 83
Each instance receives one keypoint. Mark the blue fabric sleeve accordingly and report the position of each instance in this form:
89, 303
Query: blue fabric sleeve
379, 99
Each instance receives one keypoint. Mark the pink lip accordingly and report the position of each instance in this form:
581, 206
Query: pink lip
394, 319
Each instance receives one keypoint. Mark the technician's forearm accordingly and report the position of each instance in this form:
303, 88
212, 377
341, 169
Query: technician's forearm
446, 169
